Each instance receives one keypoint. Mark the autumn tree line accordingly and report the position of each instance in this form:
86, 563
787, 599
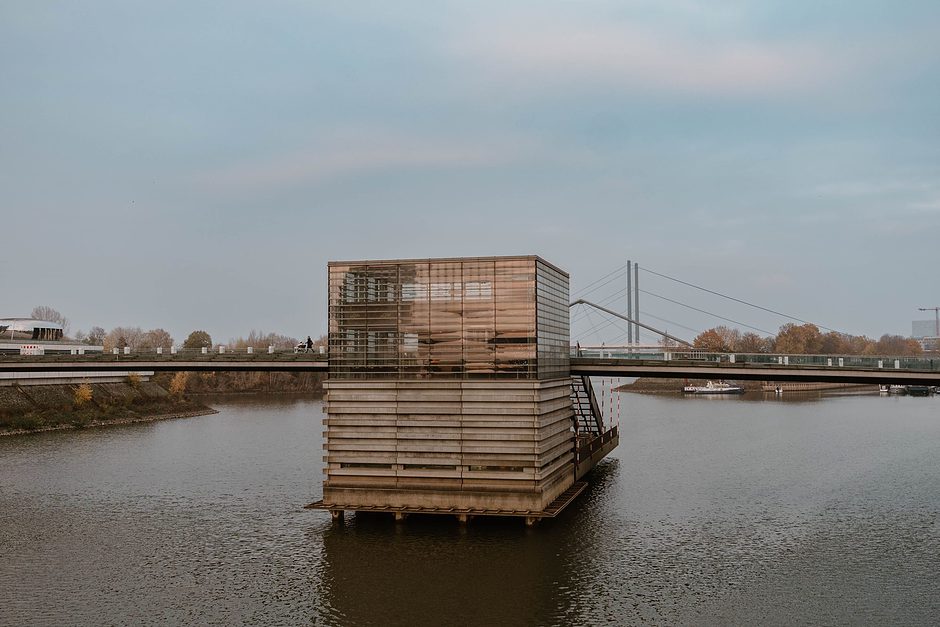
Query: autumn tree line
137, 339
794, 339
804, 339
184, 383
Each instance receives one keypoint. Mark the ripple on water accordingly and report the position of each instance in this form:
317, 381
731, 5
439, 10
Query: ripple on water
734, 513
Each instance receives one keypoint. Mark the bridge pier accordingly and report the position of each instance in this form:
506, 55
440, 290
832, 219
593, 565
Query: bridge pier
337, 515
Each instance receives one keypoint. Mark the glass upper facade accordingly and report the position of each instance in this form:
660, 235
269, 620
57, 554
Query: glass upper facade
490, 317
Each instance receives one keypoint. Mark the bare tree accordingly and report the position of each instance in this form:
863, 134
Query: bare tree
95, 336
897, 345
156, 338
261, 340
49, 314
119, 337
751, 342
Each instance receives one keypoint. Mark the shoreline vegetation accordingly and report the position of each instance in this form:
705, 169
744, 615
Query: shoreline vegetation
37, 408
204, 411
41, 408
202, 383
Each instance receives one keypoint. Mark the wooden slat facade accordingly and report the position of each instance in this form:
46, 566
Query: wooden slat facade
479, 444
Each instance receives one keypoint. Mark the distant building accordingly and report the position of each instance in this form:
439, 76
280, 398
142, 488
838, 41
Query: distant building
42, 337
926, 332
19, 334
29, 329
921, 329
929, 343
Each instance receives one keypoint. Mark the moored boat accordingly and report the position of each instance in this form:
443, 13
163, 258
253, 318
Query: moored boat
919, 390
713, 387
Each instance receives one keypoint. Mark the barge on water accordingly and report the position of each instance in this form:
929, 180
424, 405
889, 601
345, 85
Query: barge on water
713, 387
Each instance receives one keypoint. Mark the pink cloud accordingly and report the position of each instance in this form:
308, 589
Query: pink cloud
360, 152
630, 56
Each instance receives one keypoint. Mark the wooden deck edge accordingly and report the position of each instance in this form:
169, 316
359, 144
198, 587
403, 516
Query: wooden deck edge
551, 511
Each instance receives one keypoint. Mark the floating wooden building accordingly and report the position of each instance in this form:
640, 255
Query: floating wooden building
449, 390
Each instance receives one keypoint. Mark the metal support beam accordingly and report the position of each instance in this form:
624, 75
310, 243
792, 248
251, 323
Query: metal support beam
581, 301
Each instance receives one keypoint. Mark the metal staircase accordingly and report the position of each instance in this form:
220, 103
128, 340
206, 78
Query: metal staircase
588, 421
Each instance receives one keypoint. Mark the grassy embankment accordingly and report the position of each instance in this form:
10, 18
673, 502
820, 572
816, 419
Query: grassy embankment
49, 407
26, 409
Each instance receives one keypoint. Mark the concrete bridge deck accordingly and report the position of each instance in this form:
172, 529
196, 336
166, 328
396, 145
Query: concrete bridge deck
191, 362
815, 368
613, 367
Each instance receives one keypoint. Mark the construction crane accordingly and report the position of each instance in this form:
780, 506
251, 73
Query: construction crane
936, 313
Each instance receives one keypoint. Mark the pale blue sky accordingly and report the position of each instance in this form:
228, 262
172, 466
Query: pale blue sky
195, 165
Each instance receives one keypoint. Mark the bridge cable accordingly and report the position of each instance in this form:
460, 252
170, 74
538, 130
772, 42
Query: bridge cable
580, 315
623, 336
707, 312
594, 328
607, 301
737, 300
600, 326
616, 271
635, 322
597, 327
586, 291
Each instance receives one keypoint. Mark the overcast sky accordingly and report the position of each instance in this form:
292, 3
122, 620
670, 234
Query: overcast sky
195, 164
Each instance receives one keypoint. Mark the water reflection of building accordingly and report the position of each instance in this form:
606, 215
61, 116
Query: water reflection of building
372, 574
449, 385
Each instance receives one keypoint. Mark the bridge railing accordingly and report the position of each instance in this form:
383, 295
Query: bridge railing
169, 353
923, 362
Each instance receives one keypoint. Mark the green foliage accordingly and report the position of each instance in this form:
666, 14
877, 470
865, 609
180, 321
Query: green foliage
28, 422
80, 420
198, 339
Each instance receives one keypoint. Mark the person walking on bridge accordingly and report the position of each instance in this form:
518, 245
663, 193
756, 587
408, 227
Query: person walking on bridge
309, 347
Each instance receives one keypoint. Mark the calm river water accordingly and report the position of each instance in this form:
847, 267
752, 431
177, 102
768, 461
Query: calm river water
710, 512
